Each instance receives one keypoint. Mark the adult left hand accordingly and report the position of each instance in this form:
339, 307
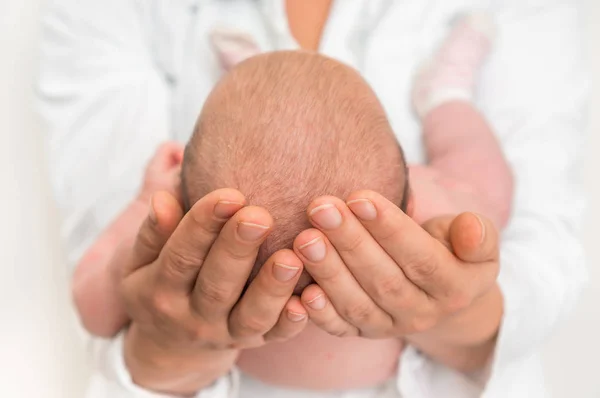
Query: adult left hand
379, 274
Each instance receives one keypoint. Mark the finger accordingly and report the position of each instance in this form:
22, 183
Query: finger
332, 275
229, 263
322, 313
439, 228
474, 238
291, 322
177, 152
175, 178
475, 241
164, 215
187, 248
424, 260
261, 305
168, 155
374, 269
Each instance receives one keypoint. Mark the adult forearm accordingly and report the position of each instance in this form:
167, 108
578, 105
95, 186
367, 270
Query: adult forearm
465, 341
171, 371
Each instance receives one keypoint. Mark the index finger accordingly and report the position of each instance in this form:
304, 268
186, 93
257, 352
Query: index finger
424, 260
163, 216
185, 251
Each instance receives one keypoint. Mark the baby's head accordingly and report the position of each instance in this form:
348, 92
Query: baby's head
286, 127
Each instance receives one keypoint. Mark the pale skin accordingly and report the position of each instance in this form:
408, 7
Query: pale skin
173, 347
170, 341
444, 338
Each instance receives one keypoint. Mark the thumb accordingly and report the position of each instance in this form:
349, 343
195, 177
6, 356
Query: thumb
474, 238
164, 215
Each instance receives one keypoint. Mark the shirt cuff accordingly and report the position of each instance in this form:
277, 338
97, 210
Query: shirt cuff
113, 379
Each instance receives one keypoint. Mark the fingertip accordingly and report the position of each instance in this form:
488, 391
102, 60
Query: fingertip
287, 257
165, 210
369, 205
295, 310
321, 201
306, 236
254, 215
467, 231
229, 194
311, 293
364, 194
472, 236
222, 204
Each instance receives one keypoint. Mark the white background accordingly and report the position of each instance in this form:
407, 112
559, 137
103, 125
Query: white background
40, 354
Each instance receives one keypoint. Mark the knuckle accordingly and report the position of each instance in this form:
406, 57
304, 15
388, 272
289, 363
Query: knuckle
237, 252
162, 305
358, 314
424, 266
206, 226
388, 231
180, 262
351, 244
390, 286
250, 326
213, 292
265, 288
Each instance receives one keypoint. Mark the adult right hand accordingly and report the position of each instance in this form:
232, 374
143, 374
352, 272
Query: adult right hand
183, 291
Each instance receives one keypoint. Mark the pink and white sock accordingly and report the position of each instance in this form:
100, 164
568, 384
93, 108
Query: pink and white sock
451, 73
233, 47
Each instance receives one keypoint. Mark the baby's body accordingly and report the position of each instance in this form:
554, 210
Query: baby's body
466, 172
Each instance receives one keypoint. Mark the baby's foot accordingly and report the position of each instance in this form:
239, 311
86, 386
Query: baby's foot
452, 71
233, 47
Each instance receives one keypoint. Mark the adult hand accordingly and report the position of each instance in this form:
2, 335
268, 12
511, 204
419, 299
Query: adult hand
183, 291
379, 274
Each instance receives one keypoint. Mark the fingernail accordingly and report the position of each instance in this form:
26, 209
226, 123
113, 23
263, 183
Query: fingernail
318, 303
226, 209
151, 211
363, 208
251, 231
482, 227
284, 273
295, 316
327, 216
314, 250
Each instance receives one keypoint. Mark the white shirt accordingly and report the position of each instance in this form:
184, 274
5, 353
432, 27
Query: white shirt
120, 76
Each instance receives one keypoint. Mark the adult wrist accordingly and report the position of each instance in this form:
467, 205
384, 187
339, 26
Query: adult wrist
465, 341
154, 367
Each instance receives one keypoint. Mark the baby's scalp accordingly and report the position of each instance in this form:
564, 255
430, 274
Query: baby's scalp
287, 127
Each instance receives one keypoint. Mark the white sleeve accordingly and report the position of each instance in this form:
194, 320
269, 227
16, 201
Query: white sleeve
534, 92
112, 380
105, 106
